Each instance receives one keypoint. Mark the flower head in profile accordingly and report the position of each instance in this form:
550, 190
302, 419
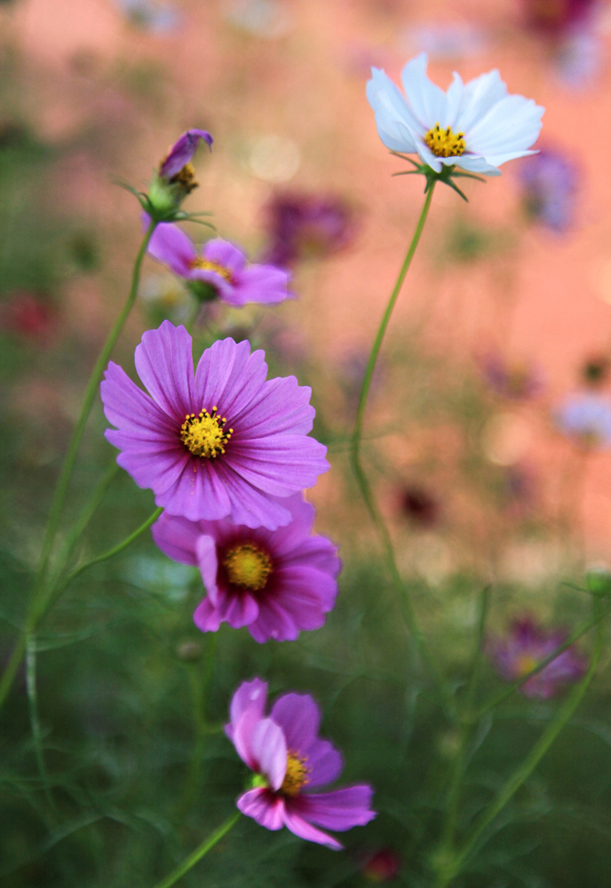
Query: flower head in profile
524, 647
174, 179
586, 418
276, 583
549, 187
471, 128
289, 761
219, 270
307, 225
222, 442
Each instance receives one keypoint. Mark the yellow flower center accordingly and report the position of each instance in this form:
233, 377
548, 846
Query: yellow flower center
185, 178
296, 774
444, 142
525, 664
247, 565
205, 434
211, 265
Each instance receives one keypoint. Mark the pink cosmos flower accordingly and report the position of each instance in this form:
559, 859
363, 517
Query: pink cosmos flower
524, 647
181, 153
219, 443
289, 760
220, 265
275, 583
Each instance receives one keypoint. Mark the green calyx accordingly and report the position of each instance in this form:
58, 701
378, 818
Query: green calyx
446, 176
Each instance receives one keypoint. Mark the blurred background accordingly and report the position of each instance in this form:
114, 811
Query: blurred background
488, 435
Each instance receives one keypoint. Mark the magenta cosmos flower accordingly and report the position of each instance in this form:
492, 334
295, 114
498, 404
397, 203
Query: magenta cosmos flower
220, 265
289, 760
274, 582
181, 153
219, 443
524, 647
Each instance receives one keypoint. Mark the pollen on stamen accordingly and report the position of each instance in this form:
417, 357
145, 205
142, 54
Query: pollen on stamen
205, 435
210, 265
445, 143
296, 774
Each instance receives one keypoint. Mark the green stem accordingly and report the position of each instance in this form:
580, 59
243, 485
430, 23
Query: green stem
90, 394
516, 685
42, 591
200, 685
524, 771
468, 724
199, 852
355, 451
30, 663
116, 550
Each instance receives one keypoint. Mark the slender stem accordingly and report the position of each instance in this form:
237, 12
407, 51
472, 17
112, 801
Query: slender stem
199, 852
468, 724
90, 395
516, 685
200, 685
523, 771
30, 663
116, 550
42, 590
355, 453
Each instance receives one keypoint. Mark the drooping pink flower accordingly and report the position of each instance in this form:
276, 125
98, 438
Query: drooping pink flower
219, 264
222, 442
181, 153
524, 647
276, 583
289, 760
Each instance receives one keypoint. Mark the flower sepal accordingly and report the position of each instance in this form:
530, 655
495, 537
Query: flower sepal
446, 176
162, 210
203, 291
258, 781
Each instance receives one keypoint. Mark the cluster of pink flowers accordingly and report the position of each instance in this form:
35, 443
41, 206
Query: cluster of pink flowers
227, 454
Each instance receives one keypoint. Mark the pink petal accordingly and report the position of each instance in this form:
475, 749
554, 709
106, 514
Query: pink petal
171, 246
299, 717
338, 810
264, 807
229, 376
206, 617
165, 365
268, 747
207, 561
130, 409
263, 284
281, 464
325, 762
304, 830
281, 405
226, 254
251, 696
237, 609
176, 537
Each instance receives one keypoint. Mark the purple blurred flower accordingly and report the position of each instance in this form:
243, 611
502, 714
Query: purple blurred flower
304, 225
516, 381
220, 265
419, 506
587, 419
549, 183
150, 16
181, 153
220, 443
275, 583
289, 759
524, 647
556, 17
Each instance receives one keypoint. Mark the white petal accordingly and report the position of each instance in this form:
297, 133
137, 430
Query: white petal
428, 102
473, 163
394, 120
513, 124
479, 96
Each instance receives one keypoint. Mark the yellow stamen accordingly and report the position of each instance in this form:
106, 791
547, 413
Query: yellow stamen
444, 142
205, 434
185, 178
296, 774
525, 664
249, 566
211, 265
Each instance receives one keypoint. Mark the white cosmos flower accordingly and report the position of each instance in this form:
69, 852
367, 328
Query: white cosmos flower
475, 125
